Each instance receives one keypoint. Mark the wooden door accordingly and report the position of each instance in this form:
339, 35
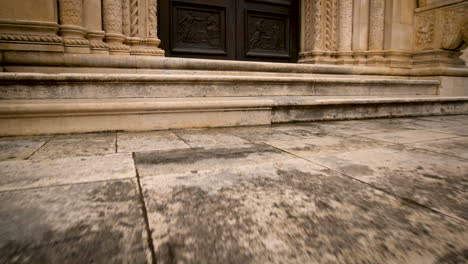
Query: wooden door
262, 30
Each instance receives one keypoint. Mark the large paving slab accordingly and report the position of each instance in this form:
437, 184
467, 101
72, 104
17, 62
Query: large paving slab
434, 180
408, 136
266, 133
459, 130
145, 141
325, 145
359, 127
153, 163
21, 174
291, 211
457, 147
77, 145
83, 223
20, 147
205, 138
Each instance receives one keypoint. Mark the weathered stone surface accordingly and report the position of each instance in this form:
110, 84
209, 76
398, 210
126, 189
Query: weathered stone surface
325, 145
203, 138
457, 147
408, 136
20, 147
145, 141
434, 180
192, 160
291, 212
84, 223
21, 174
77, 145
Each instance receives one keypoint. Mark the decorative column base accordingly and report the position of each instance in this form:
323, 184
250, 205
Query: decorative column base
29, 35
115, 44
74, 39
376, 58
96, 43
345, 58
317, 57
438, 58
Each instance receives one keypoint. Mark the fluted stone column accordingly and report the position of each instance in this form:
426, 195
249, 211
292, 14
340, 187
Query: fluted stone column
93, 24
71, 26
361, 30
345, 31
376, 31
112, 18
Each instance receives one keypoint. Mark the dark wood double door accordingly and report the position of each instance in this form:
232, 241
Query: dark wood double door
261, 30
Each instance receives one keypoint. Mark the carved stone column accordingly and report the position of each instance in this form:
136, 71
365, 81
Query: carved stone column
345, 32
93, 25
71, 26
376, 32
112, 18
319, 27
151, 33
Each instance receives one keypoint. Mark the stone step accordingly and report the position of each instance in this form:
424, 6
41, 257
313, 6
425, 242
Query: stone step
216, 84
50, 116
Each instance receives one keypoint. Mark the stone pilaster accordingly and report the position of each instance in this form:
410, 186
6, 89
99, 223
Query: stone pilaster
345, 31
375, 55
71, 26
113, 26
93, 24
361, 31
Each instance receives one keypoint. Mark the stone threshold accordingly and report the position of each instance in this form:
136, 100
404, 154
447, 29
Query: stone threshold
29, 61
27, 117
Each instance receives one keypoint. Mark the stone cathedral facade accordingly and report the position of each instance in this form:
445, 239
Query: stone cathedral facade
283, 47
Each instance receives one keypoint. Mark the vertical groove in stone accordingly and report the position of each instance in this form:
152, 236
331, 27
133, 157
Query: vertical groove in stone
345, 20
376, 24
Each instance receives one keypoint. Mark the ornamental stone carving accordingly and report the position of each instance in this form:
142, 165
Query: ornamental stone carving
425, 30
455, 24
71, 12
112, 11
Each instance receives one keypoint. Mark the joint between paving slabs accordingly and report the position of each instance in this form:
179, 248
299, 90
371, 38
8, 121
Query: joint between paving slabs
145, 213
177, 135
47, 141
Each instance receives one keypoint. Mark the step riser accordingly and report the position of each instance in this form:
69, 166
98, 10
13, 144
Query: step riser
56, 120
97, 90
351, 111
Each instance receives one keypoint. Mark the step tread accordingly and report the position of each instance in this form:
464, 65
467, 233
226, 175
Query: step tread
155, 104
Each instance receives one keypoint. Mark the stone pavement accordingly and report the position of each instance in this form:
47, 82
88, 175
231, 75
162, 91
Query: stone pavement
371, 191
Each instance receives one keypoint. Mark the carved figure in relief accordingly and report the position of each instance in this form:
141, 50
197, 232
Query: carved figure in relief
198, 28
268, 34
187, 26
258, 34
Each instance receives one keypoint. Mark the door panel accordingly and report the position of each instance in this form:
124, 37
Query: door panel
197, 28
264, 30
